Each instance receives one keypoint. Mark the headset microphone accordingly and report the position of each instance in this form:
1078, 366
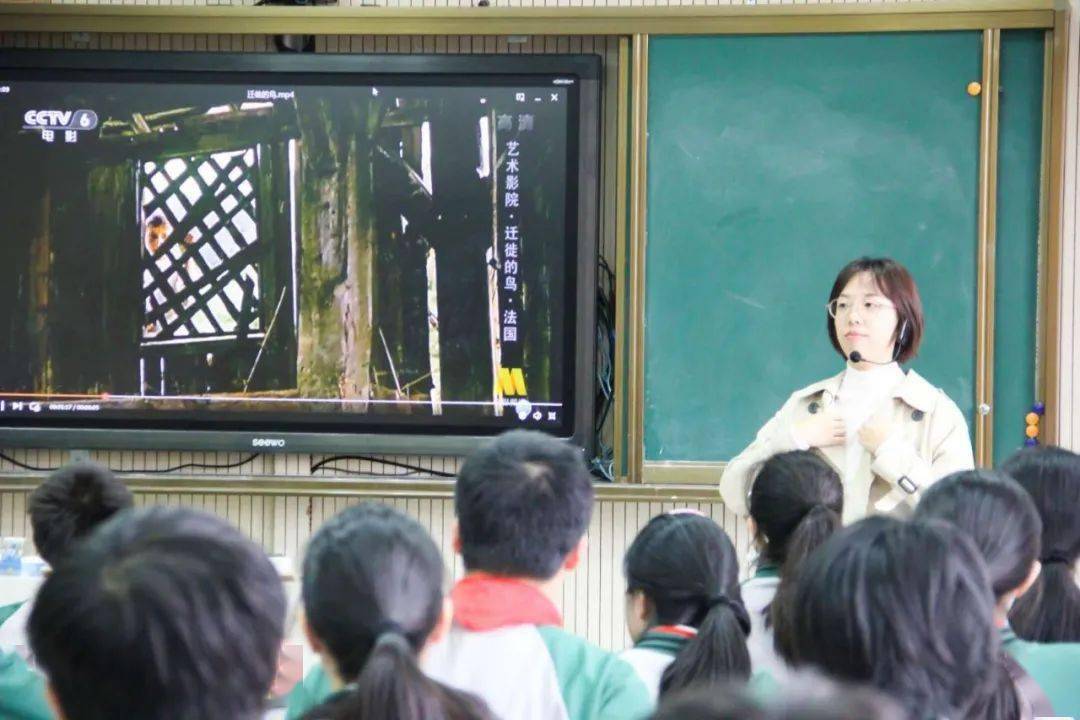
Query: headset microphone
857, 357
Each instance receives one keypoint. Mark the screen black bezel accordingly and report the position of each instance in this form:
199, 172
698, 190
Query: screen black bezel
179, 430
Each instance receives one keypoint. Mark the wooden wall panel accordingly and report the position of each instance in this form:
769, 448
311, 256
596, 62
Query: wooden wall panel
593, 596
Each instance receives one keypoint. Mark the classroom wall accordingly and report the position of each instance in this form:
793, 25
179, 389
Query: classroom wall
592, 601
592, 598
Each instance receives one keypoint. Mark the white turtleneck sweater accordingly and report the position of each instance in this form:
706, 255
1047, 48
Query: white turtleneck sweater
863, 394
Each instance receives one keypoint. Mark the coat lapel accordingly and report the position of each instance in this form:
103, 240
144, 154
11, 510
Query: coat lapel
824, 394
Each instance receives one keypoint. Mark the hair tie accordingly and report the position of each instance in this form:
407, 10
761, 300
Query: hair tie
736, 607
1055, 558
686, 511
390, 633
715, 600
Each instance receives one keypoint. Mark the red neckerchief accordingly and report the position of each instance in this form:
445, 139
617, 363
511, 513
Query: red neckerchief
487, 602
683, 631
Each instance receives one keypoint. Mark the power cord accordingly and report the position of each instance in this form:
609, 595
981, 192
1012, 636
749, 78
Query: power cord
414, 469
603, 464
174, 468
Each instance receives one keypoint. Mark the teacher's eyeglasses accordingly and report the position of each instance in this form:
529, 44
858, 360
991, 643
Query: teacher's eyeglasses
841, 307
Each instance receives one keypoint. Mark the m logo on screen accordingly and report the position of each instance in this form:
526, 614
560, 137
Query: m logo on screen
268, 442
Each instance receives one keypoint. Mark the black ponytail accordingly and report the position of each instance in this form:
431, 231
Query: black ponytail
819, 522
787, 489
817, 525
1000, 517
718, 652
1050, 610
796, 502
392, 685
687, 567
372, 589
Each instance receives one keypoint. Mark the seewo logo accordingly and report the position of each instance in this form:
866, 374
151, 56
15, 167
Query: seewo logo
60, 120
265, 442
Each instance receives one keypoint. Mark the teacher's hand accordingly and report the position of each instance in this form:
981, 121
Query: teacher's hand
874, 432
822, 429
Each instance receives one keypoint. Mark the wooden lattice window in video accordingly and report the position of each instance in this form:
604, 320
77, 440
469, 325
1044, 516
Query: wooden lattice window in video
200, 247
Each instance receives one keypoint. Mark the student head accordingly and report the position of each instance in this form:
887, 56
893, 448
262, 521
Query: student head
874, 307
372, 591
905, 607
806, 697
72, 502
160, 613
1050, 610
1000, 517
523, 503
796, 504
682, 569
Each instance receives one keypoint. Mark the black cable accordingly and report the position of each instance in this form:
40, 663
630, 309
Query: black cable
393, 463
201, 466
182, 466
603, 463
362, 473
24, 466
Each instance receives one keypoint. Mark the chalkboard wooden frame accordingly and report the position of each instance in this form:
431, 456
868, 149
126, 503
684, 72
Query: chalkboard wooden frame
633, 466
566, 20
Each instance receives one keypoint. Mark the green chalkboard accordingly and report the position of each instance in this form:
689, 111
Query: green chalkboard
772, 161
1019, 151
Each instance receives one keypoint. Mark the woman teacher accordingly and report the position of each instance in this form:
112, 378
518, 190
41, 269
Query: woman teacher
889, 433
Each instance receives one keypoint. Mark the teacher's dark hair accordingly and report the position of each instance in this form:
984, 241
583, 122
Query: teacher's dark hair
895, 283
796, 502
372, 591
688, 569
1050, 610
905, 607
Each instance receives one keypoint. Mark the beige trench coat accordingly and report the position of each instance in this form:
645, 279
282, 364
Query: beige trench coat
929, 439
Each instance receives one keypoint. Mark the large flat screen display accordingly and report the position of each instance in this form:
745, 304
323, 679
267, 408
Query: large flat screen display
317, 252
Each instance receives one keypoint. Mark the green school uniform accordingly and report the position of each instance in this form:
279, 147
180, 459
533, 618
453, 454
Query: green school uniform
6, 611
310, 692
574, 659
656, 644
22, 691
763, 686
654, 652
1054, 666
327, 705
663, 642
